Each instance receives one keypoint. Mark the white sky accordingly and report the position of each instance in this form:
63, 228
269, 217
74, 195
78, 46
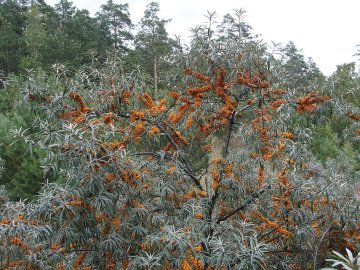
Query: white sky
326, 30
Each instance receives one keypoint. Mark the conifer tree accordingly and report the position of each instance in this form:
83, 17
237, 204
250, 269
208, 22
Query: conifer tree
152, 42
115, 20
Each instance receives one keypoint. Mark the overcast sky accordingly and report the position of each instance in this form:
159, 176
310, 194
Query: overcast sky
327, 31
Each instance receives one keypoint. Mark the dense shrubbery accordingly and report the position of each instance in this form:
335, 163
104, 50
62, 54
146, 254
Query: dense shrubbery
220, 168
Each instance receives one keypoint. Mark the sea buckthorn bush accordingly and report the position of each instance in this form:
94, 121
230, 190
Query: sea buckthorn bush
209, 173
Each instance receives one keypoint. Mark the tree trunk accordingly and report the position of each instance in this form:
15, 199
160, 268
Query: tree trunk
155, 75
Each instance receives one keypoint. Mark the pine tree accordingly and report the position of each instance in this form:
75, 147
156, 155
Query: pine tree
35, 39
12, 24
115, 20
153, 43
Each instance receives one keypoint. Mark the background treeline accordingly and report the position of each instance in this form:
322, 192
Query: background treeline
35, 37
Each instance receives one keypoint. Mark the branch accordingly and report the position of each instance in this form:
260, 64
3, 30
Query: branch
187, 168
240, 208
191, 174
227, 142
183, 163
273, 230
127, 115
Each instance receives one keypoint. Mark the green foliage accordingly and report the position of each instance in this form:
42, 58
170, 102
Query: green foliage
345, 83
22, 174
26, 176
296, 72
324, 144
21, 169
12, 24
